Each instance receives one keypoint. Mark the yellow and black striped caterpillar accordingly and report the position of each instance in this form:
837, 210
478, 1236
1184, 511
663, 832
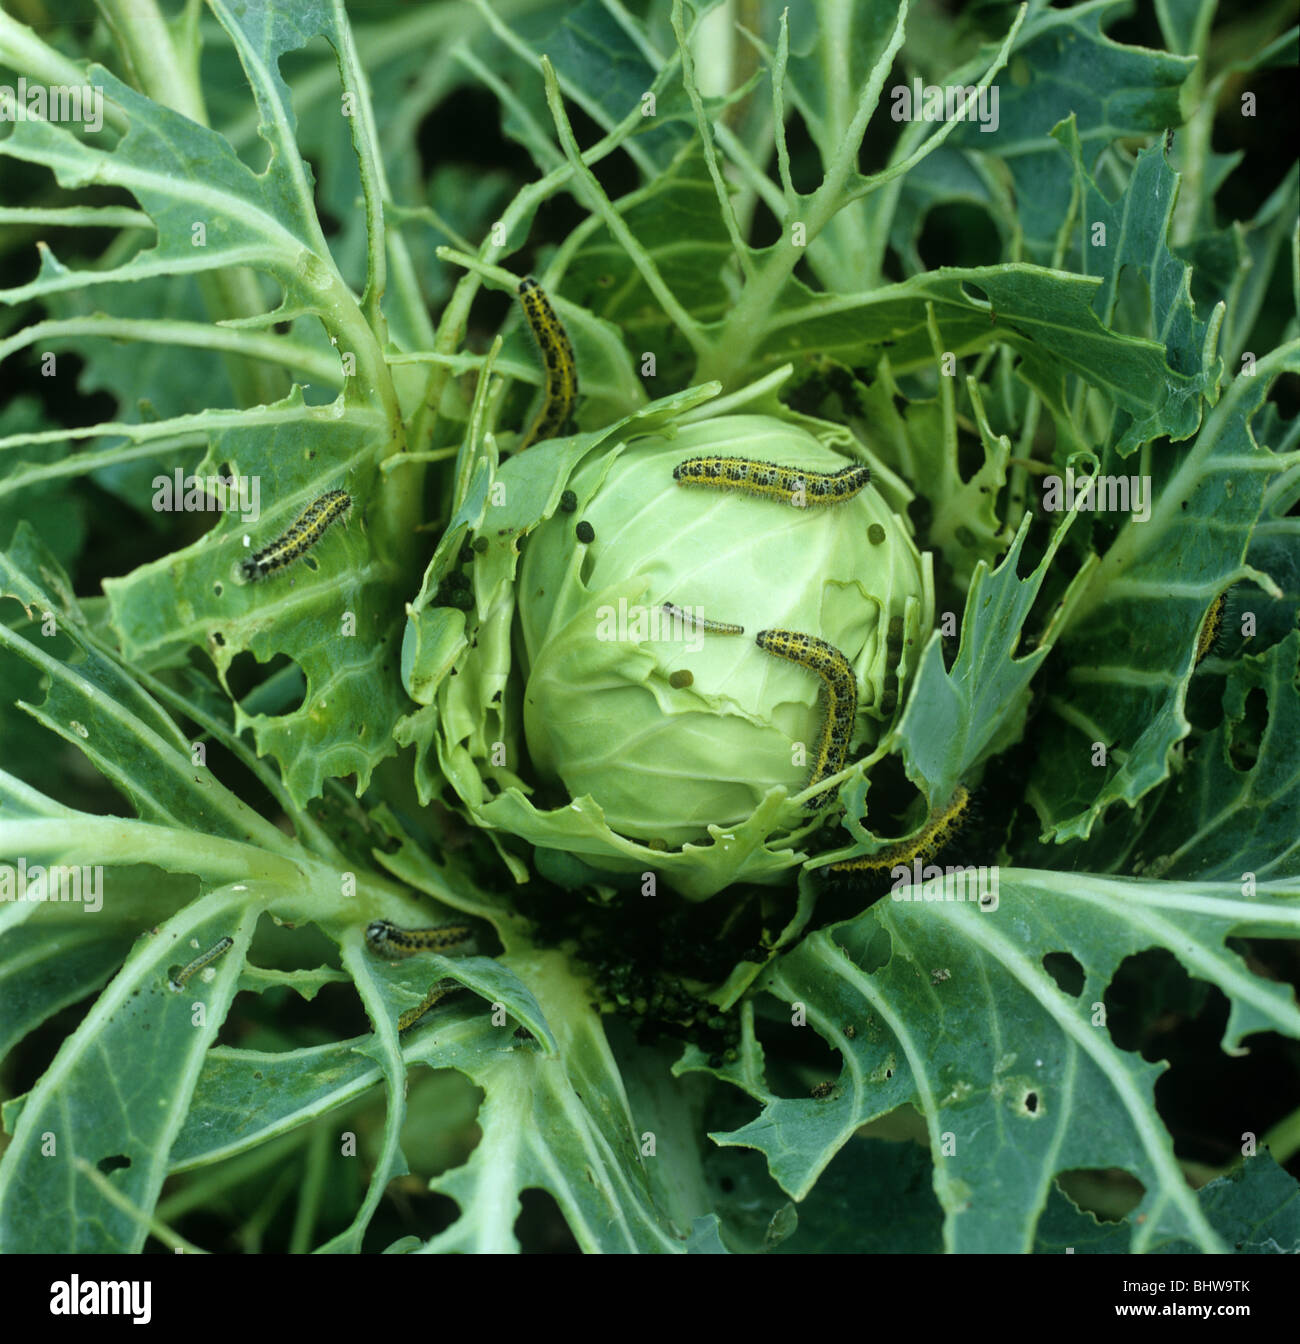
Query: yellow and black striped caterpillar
924, 845
387, 940
302, 534
1210, 627
199, 962
715, 627
841, 687
790, 485
561, 368
436, 994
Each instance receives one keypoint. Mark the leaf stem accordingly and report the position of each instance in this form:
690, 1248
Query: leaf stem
725, 208
596, 200
156, 1227
169, 75
745, 328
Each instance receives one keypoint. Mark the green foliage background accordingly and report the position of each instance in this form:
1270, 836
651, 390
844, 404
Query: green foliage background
339, 323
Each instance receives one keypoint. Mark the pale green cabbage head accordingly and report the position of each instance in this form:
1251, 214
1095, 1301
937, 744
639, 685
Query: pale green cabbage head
631, 742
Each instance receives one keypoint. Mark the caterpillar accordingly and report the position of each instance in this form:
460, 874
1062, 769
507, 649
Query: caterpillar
716, 627
924, 845
790, 485
302, 534
199, 962
561, 368
841, 686
437, 992
1210, 627
387, 940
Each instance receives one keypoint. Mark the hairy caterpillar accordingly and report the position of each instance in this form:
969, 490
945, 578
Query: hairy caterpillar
924, 845
387, 940
437, 992
1210, 627
561, 369
302, 534
716, 627
199, 962
790, 485
841, 686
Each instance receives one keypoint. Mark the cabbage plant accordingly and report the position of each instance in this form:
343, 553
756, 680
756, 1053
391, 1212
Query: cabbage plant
909, 868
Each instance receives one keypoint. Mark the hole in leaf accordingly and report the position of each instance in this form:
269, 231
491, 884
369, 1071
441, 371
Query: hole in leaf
970, 454
959, 235
1149, 998
301, 947
265, 1020
1131, 314
541, 1226
1109, 1194
1248, 731
410, 1208
275, 688
1066, 971
784, 1043
441, 1129
116, 1163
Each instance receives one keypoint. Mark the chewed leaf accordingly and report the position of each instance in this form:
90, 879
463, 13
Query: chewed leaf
1009, 1052
1137, 226
1132, 639
955, 718
336, 612
1232, 810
